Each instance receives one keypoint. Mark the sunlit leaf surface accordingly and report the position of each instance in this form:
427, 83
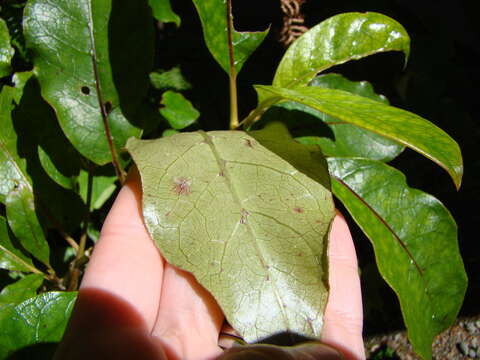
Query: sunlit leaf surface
415, 242
341, 38
213, 15
11, 258
78, 50
6, 50
399, 125
162, 11
41, 319
250, 227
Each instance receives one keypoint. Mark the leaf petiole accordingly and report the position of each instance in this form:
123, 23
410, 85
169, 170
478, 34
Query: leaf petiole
233, 73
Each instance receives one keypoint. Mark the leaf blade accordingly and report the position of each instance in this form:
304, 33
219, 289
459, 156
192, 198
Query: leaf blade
21, 290
214, 23
6, 50
416, 250
82, 70
23, 221
41, 319
178, 111
241, 220
11, 258
399, 125
162, 11
341, 38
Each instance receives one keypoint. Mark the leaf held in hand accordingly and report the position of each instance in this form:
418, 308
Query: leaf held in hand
250, 227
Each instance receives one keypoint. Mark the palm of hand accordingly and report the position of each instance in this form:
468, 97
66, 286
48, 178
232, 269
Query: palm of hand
134, 305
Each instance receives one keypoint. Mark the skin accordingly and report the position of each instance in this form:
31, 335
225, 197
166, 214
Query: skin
132, 304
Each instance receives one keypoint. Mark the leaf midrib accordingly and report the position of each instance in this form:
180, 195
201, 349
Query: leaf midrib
391, 231
220, 163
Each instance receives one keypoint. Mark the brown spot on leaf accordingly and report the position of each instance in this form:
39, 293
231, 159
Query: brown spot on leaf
298, 210
108, 107
250, 143
85, 90
181, 186
243, 216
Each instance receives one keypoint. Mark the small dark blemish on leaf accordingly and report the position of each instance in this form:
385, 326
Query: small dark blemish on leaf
85, 90
167, 214
181, 186
108, 107
298, 210
221, 173
249, 143
300, 254
243, 216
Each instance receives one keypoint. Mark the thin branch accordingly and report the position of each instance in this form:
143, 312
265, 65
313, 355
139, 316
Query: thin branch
103, 110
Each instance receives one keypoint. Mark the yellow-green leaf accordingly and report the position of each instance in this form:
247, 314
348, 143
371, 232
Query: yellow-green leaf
252, 228
399, 125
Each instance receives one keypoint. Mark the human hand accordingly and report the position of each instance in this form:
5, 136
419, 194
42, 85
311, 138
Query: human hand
132, 304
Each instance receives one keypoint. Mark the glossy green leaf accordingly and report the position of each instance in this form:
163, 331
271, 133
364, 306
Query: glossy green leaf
349, 140
41, 319
162, 11
19, 80
66, 181
213, 15
11, 257
341, 38
265, 225
399, 125
21, 290
178, 111
6, 50
78, 50
172, 79
12, 167
415, 242
169, 132
103, 185
24, 223
41, 139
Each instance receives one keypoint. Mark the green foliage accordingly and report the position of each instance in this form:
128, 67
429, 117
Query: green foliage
86, 85
162, 11
178, 111
213, 14
6, 50
370, 191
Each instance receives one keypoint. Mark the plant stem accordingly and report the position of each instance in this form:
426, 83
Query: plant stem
233, 72
79, 260
83, 237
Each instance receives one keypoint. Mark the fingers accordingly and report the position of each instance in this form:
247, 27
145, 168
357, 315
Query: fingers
343, 315
189, 319
125, 262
